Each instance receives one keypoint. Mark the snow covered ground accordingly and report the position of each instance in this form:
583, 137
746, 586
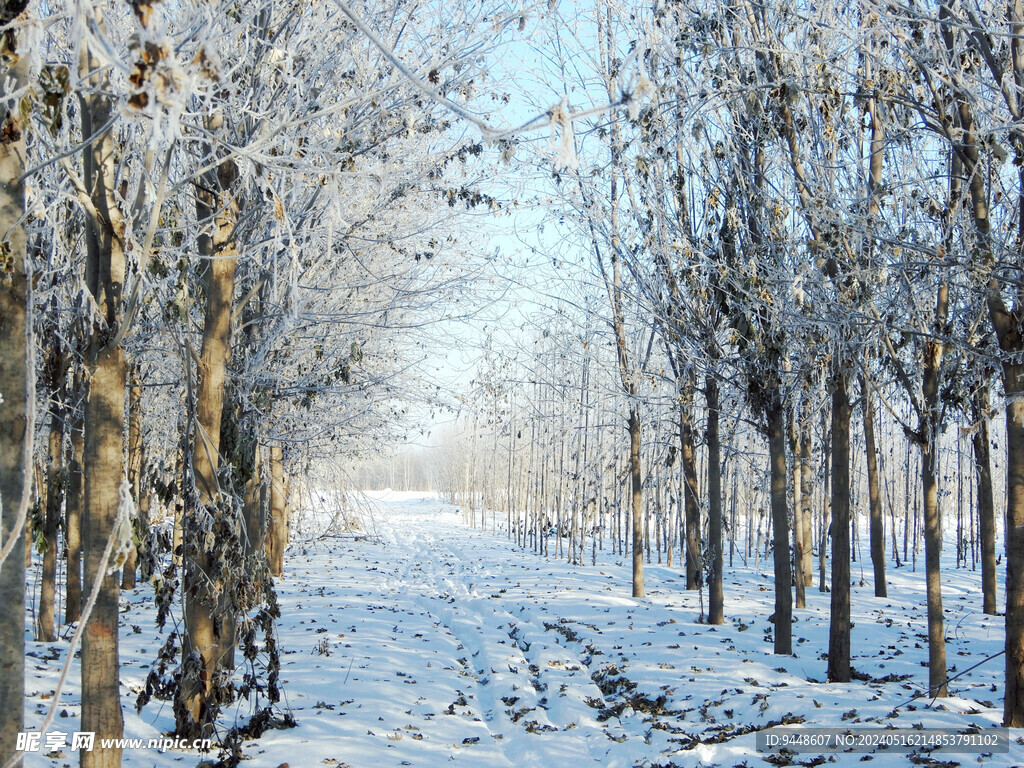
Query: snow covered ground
431, 644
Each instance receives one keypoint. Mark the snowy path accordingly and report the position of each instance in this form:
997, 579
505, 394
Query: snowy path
465, 649
525, 683
454, 670
432, 644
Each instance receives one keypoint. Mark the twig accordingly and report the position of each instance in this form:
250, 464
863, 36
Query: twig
490, 133
947, 680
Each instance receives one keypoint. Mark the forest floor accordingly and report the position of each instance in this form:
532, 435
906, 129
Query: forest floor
429, 644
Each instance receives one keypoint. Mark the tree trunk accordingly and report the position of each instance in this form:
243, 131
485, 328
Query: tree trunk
252, 505
807, 491
839, 618
212, 639
874, 494
104, 419
799, 543
30, 531
103, 464
716, 600
1008, 323
637, 501
1013, 704
964, 162
826, 514
219, 283
1009, 329
73, 521
986, 504
147, 559
691, 494
932, 521
135, 461
54, 498
875, 163
776, 417
131, 564
15, 420
277, 533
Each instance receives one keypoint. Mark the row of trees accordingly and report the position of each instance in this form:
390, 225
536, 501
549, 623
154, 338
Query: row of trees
540, 460
559, 416
814, 211
220, 235
406, 470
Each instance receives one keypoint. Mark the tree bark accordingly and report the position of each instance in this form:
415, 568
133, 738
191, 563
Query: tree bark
210, 638
986, 503
875, 162
826, 513
147, 559
135, 462
932, 521
839, 617
252, 505
73, 520
1008, 324
636, 496
776, 418
1013, 703
874, 494
54, 498
277, 530
716, 600
15, 420
691, 493
807, 491
104, 419
799, 543
103, 463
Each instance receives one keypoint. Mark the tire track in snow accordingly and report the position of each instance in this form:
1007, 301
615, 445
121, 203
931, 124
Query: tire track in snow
526, 685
